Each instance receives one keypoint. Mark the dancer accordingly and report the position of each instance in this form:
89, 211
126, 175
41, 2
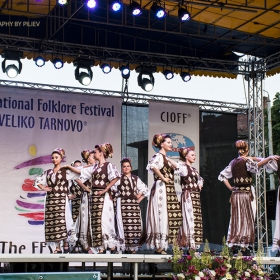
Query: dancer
82, 199
243, 203
191, 232
103, 176
75, 192
130, 191
274, 165
57, 215
164, 216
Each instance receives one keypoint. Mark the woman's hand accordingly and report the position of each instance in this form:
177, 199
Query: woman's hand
140, 199
47, 189
101, 192
71, 196
165, 180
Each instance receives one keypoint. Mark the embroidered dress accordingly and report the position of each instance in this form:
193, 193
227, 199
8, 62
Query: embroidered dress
241, 230
128, 213
191, 231
273, 165
58, 218
101, 210
164, 216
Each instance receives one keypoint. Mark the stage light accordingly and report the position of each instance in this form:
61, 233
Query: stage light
39, 61
125, 71
62, 2
145, 78
12, 70
135, 8
91, 3
184, 14
158, 10
106, 68
116, 5
168, 74
83, 77
57, 63
185, 76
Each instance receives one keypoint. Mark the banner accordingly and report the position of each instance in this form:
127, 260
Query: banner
33, 123
181, 122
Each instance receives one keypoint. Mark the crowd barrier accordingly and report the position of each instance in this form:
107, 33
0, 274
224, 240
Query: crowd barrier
85, 258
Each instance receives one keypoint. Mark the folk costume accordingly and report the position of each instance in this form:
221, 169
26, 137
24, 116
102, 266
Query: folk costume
241, 230
128, 213
102, 232
191, 231
274, 165
58, 218
164, 216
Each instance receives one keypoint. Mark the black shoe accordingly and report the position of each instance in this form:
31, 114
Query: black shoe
114, 251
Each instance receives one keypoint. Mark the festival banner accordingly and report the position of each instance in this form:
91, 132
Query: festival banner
33, 123
181, 122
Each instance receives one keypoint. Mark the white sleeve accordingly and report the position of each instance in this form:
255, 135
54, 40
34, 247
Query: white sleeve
113, 173
70, 175
86, 173
41, 179
182, 169
271, 166
142, 187
252, 166
226, 173
155, 162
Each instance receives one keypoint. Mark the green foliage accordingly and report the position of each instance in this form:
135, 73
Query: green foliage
275, 118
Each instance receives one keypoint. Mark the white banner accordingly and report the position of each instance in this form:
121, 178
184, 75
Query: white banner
32, 124
181, 122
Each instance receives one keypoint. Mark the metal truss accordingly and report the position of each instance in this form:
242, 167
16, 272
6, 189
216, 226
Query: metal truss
138, 98
128, 56
257, 143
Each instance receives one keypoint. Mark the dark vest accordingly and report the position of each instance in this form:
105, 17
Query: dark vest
167, 170
240, 175
100, 177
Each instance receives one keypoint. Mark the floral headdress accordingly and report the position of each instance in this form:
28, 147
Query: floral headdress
59, 151
242, 147
107, 149
85, 154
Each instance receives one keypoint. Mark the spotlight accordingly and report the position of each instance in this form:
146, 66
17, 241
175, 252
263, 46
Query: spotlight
184, 14
91, 3
12, 70
57, 63
185, 76
158, 10
116, 5
168, 74
62, 2
83, 77
39, 61
106, 68
135, 8
125, 71
146, 84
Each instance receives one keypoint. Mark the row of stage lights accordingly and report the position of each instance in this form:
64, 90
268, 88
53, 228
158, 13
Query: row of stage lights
158, 8
83, 72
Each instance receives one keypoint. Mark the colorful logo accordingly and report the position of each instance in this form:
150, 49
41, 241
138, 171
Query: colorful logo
178, 141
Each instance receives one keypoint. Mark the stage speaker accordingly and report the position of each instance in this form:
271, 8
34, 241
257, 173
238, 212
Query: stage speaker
271, 200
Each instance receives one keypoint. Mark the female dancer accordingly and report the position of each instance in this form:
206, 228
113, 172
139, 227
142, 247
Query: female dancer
57, 217
243, 204
130, 190
191, 234
103, 176
274, 165
164, 216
